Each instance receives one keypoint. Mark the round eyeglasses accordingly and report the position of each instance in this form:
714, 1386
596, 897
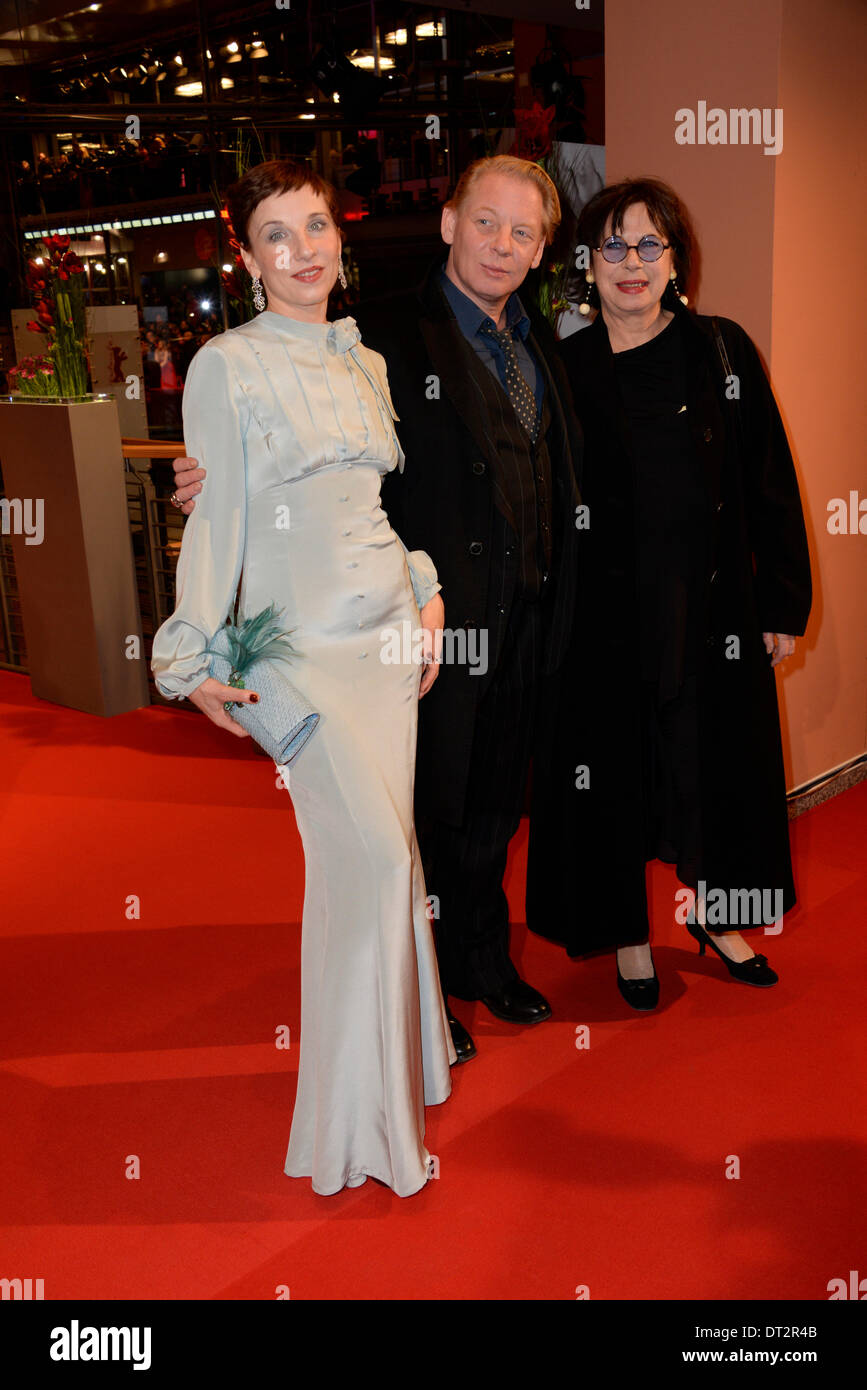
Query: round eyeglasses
649, 248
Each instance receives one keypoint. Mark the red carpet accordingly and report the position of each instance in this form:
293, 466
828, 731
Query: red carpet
148, 1033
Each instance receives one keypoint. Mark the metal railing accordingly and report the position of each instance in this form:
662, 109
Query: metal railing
156, 528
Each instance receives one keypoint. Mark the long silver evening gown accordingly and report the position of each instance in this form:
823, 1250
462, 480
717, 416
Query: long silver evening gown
295, 426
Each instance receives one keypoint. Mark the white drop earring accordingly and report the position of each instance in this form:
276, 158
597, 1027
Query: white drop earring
673, 279
341, 274
258, 294
584, 306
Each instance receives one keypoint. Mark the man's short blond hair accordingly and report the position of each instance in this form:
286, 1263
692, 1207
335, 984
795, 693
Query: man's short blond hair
513, 168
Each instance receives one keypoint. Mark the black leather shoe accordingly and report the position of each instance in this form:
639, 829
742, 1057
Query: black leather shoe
753, 971
464, 1045
640, 994
517, 1002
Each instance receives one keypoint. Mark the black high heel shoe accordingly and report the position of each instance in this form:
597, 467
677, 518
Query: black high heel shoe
754, 971
639, 994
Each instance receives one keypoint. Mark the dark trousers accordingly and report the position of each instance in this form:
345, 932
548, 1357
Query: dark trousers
464, 865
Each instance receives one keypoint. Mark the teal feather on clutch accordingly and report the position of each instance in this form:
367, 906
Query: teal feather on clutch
242, 655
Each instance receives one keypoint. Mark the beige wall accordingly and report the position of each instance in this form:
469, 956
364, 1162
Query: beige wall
763, 263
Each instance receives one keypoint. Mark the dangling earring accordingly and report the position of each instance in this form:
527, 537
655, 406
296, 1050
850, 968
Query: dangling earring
341, 274
673, 280
584, 307
258, 295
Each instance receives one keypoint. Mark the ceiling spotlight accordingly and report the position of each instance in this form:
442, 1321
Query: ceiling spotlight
179, 60
232, 47
367, 60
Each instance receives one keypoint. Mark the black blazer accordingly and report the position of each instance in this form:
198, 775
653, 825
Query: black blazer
443, 503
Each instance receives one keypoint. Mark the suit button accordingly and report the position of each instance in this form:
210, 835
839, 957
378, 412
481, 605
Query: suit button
708, 435
476, 547
478, 466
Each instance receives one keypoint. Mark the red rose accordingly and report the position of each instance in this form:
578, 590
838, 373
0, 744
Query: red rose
34, 327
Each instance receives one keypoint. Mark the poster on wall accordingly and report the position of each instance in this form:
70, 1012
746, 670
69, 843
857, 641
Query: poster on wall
116, 363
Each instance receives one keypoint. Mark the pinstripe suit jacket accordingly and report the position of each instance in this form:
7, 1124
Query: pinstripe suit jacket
454, 501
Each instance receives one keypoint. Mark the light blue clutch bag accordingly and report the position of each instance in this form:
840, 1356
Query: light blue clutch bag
283, 719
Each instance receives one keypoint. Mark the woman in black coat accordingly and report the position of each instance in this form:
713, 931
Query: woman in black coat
664, 739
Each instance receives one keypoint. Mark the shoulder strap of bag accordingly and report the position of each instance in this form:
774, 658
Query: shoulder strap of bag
727, 375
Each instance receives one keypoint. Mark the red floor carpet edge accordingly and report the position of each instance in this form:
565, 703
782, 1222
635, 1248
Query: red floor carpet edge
151, 901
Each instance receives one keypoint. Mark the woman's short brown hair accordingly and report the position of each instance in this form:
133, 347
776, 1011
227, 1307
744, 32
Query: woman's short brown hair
274, 176
667, 213
516, 169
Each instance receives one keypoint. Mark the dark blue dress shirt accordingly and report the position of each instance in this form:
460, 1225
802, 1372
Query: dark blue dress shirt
470, 319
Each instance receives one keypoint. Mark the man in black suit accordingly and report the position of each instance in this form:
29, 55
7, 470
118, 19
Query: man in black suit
489, 491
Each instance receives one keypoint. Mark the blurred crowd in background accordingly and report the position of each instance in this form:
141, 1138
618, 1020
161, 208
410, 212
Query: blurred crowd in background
118, 171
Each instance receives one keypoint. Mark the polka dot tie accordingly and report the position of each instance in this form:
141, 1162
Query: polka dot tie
522, 398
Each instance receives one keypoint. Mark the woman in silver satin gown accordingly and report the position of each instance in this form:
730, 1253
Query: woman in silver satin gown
292, 417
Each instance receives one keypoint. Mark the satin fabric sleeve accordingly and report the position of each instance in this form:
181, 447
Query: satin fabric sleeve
215, 428
422, 572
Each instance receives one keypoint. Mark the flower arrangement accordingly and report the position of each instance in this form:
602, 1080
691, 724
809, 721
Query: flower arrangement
57, 291
33, 376
534, 131
556, 276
